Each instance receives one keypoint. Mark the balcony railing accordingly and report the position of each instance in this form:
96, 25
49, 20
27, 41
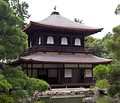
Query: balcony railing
58, 49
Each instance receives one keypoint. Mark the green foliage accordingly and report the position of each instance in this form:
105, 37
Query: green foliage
15, 76
102, 84
43, 84
105, 99
100, 72
114, 90
14, 81
96, 45
117, 10
108, 77
39, 102
19, 94
13, 41
88, 41
37, 84
4, 85
17, 80
6, 99
108, 53
113, 44
99, 46
20, 10
114, 73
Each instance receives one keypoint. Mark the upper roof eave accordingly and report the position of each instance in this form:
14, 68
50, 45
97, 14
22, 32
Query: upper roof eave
88, 31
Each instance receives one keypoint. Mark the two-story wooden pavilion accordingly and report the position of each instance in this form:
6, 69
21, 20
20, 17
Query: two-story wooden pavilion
56, 51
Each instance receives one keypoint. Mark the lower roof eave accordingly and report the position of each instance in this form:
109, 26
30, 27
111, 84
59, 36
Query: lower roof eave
20, 60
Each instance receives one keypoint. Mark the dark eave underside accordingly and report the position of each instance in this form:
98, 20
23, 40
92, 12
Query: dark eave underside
34, 25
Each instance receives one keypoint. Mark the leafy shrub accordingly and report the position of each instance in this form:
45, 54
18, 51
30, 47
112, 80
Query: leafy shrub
114, 72
44, 85
19, 94
114, 90
39, 102
37, 84
101, 84
16, 83
100, 72
4, 85
6, 99
105, 99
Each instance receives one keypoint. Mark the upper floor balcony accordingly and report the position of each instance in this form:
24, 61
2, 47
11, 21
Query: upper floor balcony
59, 49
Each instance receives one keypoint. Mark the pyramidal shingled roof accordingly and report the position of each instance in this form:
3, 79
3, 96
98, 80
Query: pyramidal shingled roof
56, 21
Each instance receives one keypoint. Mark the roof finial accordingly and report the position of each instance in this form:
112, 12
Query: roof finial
55, 12
55, 8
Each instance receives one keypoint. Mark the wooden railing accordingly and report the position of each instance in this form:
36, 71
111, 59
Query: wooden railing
59, 49
65, 85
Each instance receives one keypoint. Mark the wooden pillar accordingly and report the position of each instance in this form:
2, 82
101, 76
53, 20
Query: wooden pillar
31, 69
62, 74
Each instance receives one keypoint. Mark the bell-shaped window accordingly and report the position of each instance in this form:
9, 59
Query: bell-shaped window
50, 40
64, 41
77, 42
39, 40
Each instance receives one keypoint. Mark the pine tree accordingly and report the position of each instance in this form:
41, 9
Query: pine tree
13, 41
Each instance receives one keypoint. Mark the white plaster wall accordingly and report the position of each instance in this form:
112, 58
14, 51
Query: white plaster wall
50, 65
71, 65
37, 65
85, 65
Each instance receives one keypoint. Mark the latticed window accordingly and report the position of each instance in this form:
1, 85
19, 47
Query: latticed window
68, 73
88, 73
64, 41
77, 42
50, 40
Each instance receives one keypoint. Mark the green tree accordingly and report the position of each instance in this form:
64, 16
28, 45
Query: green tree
6, 99
96, 45
105, 39
37, 84
88, 41
114, 79
14, 82
113, 44
114, 90
108, 77
117, 10
100, 72
13, 41
20, 10
5, 86
114, 73
102, 84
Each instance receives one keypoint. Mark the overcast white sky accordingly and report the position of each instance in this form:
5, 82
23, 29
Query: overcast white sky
95, 13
